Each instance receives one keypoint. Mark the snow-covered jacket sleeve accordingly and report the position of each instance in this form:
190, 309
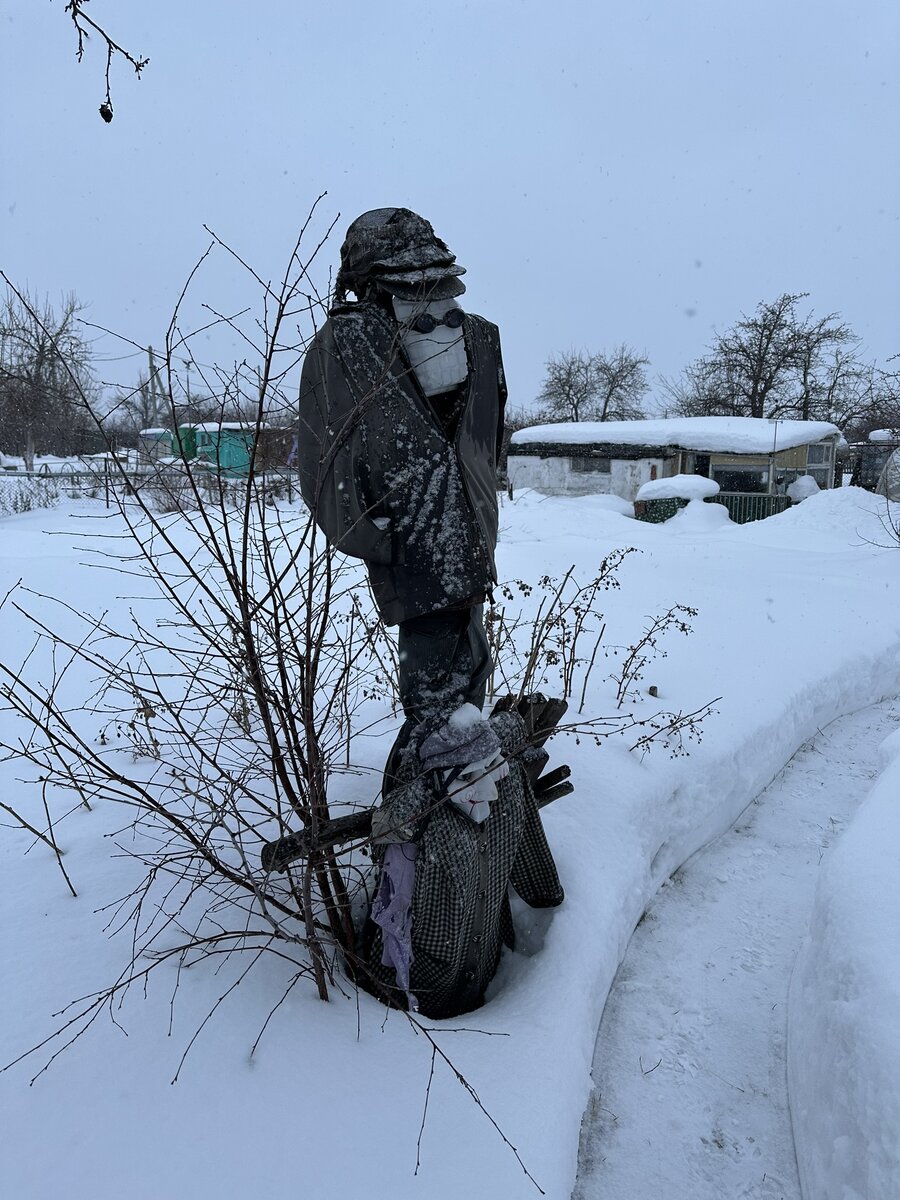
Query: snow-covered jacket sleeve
332, 457
502, 392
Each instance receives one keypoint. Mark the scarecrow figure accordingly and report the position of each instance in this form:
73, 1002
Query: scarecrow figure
401, 418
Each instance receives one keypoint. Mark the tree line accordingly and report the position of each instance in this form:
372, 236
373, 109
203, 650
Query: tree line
780, 361
45, 375
51, 401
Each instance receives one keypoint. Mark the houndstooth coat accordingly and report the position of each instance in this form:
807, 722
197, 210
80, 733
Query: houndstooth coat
460, 914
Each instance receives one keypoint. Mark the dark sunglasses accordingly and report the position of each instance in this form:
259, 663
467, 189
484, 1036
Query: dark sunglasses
426, 323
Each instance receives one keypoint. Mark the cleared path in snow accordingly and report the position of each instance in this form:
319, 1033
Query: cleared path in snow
689, 1099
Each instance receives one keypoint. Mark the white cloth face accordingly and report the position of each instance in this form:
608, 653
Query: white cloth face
438, 358
476, 787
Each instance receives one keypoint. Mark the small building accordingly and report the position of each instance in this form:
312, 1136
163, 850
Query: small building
154, 444
743, 455
225, 445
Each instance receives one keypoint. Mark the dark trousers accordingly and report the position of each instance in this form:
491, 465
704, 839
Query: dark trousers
445, 661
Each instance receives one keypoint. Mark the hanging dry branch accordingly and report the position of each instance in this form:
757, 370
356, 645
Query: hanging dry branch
85, 27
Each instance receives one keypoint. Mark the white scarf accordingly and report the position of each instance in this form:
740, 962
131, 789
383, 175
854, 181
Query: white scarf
437, 358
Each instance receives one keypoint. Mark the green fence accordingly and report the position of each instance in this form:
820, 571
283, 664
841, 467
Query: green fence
742, 507
747, 506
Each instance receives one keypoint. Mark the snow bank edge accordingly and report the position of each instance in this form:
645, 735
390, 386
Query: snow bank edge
843, 1047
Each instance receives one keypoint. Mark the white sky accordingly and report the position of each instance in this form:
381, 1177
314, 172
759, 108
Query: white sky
635, 171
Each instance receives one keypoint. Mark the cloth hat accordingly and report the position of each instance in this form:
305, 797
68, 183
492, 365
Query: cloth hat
397, 247
434, 283
457, 744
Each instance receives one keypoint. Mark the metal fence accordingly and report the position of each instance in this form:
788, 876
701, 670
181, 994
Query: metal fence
20, 492
162, 489
658, 510
743, 506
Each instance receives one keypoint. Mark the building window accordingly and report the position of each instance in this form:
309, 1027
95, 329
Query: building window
742, 479
585, 464
818, 454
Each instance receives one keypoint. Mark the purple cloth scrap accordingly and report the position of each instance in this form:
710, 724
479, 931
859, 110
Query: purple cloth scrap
392, 911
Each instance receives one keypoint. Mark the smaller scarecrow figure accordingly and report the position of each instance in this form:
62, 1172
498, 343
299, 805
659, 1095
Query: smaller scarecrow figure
401, 419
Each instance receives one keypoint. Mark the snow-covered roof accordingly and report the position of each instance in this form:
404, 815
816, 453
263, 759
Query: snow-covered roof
884, 435
153, 432
724, 435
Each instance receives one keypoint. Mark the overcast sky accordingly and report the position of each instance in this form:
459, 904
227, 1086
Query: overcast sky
607, 172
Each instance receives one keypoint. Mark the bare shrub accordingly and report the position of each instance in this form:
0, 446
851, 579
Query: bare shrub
237, 703
227, 711
557, 646
23, 494
169, 491
635, 659
224, 711
549, 636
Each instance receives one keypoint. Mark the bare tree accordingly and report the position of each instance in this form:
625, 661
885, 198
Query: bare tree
827, 367
44, 376
701, 390
777, 363
580, 386
622, 384
759, 355
569, 392
879, 406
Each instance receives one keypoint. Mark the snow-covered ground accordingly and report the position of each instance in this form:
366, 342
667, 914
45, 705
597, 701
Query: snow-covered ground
797, 625
844, 1017
690, 1085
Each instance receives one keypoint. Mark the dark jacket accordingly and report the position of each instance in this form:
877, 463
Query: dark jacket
370, 446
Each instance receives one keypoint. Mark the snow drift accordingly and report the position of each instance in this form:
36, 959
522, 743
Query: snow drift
797, 625
844, 1019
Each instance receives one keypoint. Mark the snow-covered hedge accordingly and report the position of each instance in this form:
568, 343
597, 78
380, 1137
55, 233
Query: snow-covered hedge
678, 487
844, 1016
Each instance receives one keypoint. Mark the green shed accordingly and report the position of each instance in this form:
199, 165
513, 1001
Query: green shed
225, 445
185, 442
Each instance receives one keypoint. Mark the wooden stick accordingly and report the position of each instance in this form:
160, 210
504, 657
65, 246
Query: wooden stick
541, 716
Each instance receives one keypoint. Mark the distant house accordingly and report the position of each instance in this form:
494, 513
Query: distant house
225, 446
154, 444
744, 455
